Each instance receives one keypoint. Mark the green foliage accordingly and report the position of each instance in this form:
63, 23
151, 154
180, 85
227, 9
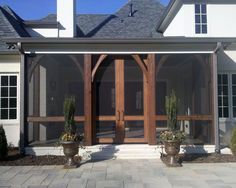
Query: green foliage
69, 113
171, 110
233, 142
3, 143
69, 133
172, 136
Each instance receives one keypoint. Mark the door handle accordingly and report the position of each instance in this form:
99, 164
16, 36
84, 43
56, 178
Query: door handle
122, 116
118, 115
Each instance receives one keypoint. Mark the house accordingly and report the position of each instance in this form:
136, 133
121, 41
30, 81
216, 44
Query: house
120, 67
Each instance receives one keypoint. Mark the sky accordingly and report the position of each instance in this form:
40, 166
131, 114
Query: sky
36, 9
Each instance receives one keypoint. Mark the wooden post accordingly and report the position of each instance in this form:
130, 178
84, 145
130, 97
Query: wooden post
88, 99
151, 102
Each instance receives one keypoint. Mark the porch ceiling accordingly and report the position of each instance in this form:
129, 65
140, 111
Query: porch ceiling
161, 45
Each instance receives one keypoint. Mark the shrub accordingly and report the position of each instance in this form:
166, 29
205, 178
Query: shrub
173, 133
3, 143
233, 142
70, 133
171, 111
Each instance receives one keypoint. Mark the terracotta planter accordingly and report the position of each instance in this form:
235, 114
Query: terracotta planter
172, 149
70, 149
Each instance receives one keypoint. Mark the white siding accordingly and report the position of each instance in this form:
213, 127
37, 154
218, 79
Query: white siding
220, 21
10, 64
182, 24
45, 32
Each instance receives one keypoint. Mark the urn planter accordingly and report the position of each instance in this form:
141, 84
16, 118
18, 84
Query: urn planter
172, 149
70, 149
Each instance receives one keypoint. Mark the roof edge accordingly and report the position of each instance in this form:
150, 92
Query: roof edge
168, 15
40, 24
175, 40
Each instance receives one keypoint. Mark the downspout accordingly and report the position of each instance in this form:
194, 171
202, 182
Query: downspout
23, 106
215, 77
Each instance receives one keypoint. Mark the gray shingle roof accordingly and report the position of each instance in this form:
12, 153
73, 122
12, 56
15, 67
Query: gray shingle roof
146, 15
10, 26
142, 24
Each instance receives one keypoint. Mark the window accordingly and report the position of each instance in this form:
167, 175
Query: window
200, 19
223, 99
8, 97
234, 94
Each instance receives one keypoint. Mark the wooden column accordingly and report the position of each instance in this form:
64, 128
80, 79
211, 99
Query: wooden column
151, 102
88, 99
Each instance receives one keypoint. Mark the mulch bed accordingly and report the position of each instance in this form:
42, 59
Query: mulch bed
207, 158
202, 158
15, 159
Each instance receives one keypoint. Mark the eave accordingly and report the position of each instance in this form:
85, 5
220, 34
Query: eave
85, 45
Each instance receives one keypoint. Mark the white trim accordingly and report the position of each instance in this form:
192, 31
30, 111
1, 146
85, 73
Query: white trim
115, 52
230, 95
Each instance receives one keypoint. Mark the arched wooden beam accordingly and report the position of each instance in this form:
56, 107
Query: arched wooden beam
35, 63
77, 64
98, 63
141, 64
161, 62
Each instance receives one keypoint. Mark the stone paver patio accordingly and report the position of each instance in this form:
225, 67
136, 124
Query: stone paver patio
121, 174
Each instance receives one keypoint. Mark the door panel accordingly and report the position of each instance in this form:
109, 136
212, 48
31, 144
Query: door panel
119, 100
134, 102
105, 129
105, 100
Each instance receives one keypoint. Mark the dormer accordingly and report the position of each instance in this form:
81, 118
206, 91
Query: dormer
203, 18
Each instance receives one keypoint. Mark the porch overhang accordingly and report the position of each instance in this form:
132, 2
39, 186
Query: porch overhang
117, 46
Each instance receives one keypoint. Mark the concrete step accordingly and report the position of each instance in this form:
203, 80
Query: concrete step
125, 151
141, 151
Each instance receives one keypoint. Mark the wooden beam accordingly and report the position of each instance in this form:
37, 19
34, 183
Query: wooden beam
151, 100
186, 117
52, 119
34, 63
98, 63
141, 64
77, 64
145, 106
120, 94
161, 62
88, 99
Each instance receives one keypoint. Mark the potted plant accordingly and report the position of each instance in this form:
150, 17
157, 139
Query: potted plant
233, 142
3, 143
70, 140
173, 137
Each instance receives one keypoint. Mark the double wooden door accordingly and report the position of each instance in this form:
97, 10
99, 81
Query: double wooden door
119, 110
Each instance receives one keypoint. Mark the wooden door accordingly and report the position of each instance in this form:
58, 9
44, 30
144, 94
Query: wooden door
119, 102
